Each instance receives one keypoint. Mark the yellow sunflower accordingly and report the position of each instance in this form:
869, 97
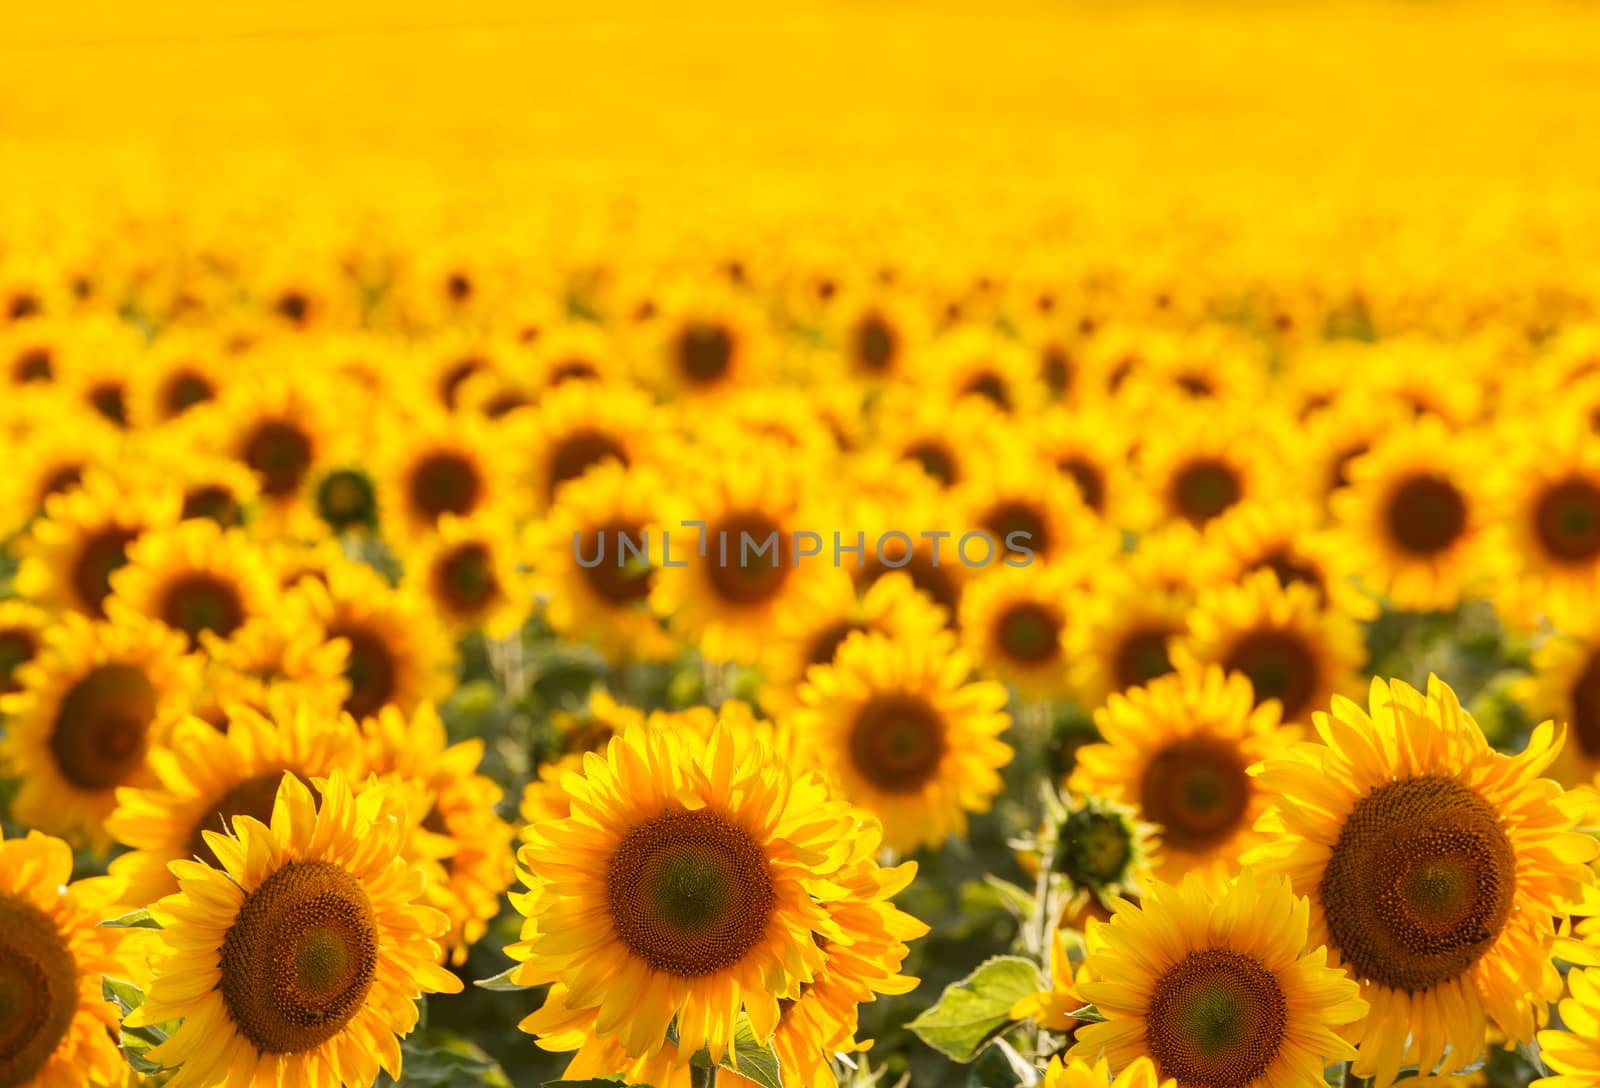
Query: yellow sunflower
978, 361
573, 351
906, 735
475, 866
1217, 987
1292, 647
195, 577
1565, 686
1030, 518
1435, 866
1414, 518
22, 630
589, 730
300, 958
204, 777
59, 1030
706, 344
1197, 465
472, 573
687, 884
1014, 623
952, 442
1077, 1073
215, 487
279, 653
1123, 635
91, 705
1093, 453
1287, 538
61, 443
1178, 750
910, 531
180, 372
435, 464
1574, 1051
876, 333
577, 427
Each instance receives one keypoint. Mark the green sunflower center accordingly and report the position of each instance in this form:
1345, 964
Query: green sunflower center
1426, 515
1197, 790
1419, 884
898, 743
1204, 488
38, 990
1216, 1019
99, 737
346, 500
1093, 848
1567, 519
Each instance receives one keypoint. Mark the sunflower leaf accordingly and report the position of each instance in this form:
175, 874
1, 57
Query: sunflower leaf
137, 919
1088, 1014
1017, 901
445, 1060
125, 995
972, 1013
501, 983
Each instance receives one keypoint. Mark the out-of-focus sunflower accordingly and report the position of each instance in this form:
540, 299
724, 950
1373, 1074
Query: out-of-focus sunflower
705, 344
395, 652
214, 487
1217, 986
63, 442
1094, 456
1288, 538
975, 361
595, 587
60, 1031
1177, 558
577, 427
1435, 866
717, 872
1291, 647
299, 958
1574, 1051
471, 571
205, 777
1198, 465
22, 630
1338, 434
1014, 623
906, 735
436, 464
1029, 518
1565, 687
280, 654
1123, 635
345, 498
31, 351
68, 556
576, 733
474, 866
1178, 749
573, 351
772, 417
1414, 519
180, 372
952, 442
91, 705
196, 578
99, 365
876, 333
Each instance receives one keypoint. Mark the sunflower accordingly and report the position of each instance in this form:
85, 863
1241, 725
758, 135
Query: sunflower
1216, 987
578, 426
60, 1032
876, 334
975, 361
1014, 623
573, 351
31, 352
905, 734
1414, 518
101, 359
62, 442
1178, 749
299, 958
1338, 433
395, 652
1198, 465
195, 577
1029, 518
1077, 1073
687, 883
22, 631
1122, 636
436, 464
1435, 867
216, 488
706, 344
1094, 456
951, 441
180, 372
902, 533
1177, 558
1574, 1053
475, 866
68, 556
1565, 686
279, 653
1287, 538
91, 705
470, 570
205, 777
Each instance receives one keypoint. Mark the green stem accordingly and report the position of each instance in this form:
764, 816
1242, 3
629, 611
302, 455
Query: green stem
703, 1078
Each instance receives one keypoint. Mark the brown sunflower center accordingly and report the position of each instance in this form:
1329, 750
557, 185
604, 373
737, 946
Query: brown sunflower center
253, 797
936, 460
1204, 488
1029, 632
456, 375
690, 893
183, 390
931, 578
1216, 1019
1586, 708
1426, 514
370, 669
1567, 519
102, 554
825, 643
991, 387
300, 957
1290, 569
897, 742
1089, 478
346, 499
1419, 884
38, 990
61, 480
280, 453
705, 353
1339, 472
214, 502
293, 306
580, 451
199, 602
1280, 666
623, 574
1141, 656
1024, 521
443, 482
464, 577
99, 736
1055, 367
875, 343
757, 561
17, 647
1197, 790
111, 401
572, 370
34, 365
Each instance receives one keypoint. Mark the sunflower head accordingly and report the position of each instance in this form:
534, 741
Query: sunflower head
1101, 847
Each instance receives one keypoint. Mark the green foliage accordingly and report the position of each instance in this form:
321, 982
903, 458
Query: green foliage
972, 1013
439, 1059
136, 919
135, 1042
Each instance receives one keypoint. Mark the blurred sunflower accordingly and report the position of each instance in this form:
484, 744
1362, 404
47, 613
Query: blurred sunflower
706, 344
876, 333
952, 442
300, 957
196, 578
576, 733
976, 361
180, 372
1014, 623
470, 571
1094, 456
1029, 519
1197, 466
577, 427
1123, 635
1565, 686
1435, 866
1574, 1052
22, 631
63, 442
1287, 538
435, 464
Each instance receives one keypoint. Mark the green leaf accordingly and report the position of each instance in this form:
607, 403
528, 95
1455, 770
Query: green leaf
1018, 901
755, 1061
972, 1013
125, 995
446, 1060
502, 983
138, 919
1089, 1014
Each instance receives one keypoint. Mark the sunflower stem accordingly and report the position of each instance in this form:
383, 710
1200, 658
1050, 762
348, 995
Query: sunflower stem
1350, 1080
703, 1078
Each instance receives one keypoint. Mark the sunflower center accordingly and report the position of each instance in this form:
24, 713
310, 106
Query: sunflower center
183, 390
1093, 848
875, 344
1029, 632
17, 647
897, 743
346, 499
34, 365
61, 481
705, 352
465, 577
936, 460
1141, 657
444, 482
202, 602
1055, 367
253, 797
825, 644
279, 453
38, 990
745, 577
1568, 521
213, 502
1023, 519
103, 553
1279, 666
572, 370
991, 387
1419, 884
1204, 488
451, 381
100, 729
300, 957
370, 669
1216, 1019
580, 451
1197, 790
622, 578
1426, 515
1586, 708
1088, 477
690, 893
294, 306
1339, 472
110, 400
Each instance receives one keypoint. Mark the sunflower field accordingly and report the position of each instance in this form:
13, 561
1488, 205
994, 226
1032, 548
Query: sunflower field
822, 545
